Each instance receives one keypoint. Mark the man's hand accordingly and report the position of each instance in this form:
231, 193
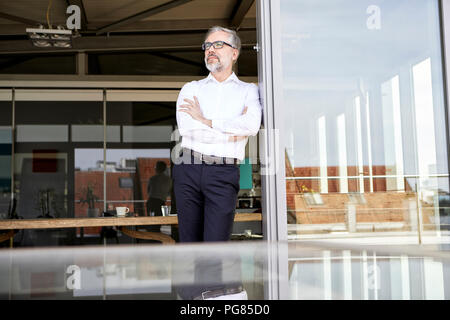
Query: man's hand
238, 138
193, 109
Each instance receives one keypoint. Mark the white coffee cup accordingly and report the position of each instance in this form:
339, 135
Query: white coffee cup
122, 211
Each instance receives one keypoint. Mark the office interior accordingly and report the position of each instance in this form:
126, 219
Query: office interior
83, 127
357, 93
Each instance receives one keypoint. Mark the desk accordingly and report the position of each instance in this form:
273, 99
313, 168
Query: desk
17, 224
11, 224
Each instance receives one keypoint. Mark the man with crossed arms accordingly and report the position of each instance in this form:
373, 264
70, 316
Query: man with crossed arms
215, 116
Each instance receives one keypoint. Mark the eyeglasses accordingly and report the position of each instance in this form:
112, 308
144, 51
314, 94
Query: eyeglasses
215, 44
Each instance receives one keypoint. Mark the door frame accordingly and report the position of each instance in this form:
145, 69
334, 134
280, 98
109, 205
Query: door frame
272, 150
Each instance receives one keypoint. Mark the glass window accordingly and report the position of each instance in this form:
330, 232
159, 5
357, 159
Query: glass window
146, 133
142, 153
61, 169
364, 118
40, 133
91, 133
49, 163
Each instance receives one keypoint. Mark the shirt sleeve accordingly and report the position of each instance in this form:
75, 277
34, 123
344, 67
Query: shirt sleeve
194, 129
247, 124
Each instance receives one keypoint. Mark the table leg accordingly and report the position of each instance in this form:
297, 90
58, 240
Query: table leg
81, 235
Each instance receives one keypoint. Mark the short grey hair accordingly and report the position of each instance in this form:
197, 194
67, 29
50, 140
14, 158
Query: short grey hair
234, 39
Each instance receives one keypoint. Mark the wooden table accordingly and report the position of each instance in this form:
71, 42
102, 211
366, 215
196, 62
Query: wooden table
122, 223
16, 224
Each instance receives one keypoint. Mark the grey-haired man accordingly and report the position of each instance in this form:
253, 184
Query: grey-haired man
215, 116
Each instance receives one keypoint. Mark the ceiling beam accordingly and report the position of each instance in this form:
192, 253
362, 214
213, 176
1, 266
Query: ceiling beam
79, 3
170, 25
239, 13
19, 19
153, 42
141, 15
147, 26
177, 59
161, 119
15, 60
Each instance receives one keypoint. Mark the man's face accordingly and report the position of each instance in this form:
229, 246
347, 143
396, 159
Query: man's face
217, 60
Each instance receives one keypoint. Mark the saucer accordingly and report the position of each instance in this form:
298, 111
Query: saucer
125, 215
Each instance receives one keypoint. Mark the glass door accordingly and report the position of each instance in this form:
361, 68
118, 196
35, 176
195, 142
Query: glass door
363, 119
69, 164
49, 126
140, 152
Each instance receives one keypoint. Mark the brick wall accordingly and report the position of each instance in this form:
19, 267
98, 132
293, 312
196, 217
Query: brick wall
145, 169
380, 205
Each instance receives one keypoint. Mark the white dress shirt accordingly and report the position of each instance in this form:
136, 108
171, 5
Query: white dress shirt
223, 103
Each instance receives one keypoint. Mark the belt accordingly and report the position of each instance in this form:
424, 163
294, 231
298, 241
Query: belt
210, 159
219, 292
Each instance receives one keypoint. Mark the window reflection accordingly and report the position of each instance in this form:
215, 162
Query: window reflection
146, 129
42, 185
342, 153
46, 181
322, 133
423, 102
94, 133
128, 177
369, 144
364, 115
392, 129
88, 185
42, 133
146, 133
360, 172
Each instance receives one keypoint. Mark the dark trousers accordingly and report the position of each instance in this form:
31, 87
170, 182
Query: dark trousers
154, 204
206, 197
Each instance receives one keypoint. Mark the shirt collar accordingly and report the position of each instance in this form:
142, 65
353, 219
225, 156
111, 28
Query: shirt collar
232, 77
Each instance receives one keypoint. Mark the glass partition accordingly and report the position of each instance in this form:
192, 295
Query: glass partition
51, 133
62, 168
364, 119
88, 182
140, 155
317, 271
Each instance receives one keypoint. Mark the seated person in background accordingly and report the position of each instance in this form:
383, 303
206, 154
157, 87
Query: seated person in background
109, 232
158, 190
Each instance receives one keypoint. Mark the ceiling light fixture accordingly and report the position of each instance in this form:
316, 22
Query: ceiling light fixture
45, 38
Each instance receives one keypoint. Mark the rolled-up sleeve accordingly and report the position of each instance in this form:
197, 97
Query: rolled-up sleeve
189, 127
247, 124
